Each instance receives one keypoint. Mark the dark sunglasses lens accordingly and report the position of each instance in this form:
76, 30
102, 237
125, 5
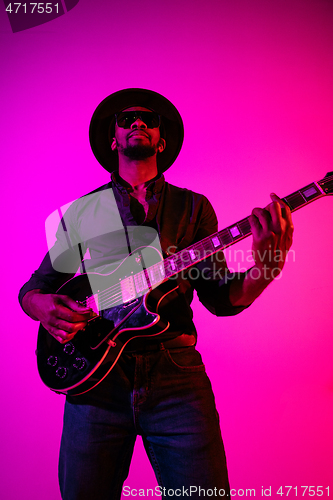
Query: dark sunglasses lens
126, 119
152, 120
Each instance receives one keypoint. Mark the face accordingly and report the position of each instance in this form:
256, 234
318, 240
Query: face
138, 141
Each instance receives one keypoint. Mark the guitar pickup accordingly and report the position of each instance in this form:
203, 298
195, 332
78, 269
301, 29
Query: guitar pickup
141, 284
127, 289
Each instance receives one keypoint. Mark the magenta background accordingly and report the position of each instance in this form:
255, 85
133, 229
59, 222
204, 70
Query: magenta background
262, 73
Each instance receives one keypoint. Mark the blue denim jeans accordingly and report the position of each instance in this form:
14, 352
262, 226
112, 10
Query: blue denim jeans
165, 397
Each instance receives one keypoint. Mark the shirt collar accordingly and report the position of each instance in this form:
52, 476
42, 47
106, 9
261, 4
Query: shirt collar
154, 185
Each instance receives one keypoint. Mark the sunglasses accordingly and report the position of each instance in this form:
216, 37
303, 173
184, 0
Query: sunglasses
125, 119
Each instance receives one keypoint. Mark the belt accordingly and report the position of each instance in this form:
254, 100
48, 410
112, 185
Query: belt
183, 340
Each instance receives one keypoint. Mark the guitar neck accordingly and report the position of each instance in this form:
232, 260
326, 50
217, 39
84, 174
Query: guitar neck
197, 252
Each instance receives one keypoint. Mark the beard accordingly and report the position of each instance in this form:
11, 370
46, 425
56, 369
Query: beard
138, 152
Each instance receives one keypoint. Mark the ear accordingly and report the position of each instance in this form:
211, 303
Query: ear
114, 144
161, 145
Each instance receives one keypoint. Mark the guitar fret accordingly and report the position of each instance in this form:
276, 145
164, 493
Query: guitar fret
326, 184
295, 200
216, 242
244, 226
310, 192
180, 258
185, 257
225, 236
192, 254
178, 261
169, 268
234, 231
200, 250
174, 264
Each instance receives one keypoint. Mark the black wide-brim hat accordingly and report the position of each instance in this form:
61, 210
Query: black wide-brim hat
102, 123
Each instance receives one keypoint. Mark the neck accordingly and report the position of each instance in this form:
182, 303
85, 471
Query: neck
137, 172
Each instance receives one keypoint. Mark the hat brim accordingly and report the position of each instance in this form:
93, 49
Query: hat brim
105, 111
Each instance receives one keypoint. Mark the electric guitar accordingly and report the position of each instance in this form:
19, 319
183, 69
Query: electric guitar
126, 304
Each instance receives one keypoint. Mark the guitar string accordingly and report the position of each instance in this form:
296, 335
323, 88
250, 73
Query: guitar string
110, 297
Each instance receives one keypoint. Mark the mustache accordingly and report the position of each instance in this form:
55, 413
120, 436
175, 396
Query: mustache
139, 151
136, 131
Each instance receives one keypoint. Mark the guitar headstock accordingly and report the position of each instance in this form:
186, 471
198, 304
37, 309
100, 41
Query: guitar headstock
327, 183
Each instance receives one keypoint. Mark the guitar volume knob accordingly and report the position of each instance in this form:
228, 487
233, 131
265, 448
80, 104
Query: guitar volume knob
69, 348
80, 363
52, 360
61, 372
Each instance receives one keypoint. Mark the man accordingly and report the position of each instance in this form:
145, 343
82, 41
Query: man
158, 388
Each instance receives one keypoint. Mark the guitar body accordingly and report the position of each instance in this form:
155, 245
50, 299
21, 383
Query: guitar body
80, 364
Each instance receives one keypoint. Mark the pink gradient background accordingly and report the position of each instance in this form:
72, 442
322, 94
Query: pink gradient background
262, 73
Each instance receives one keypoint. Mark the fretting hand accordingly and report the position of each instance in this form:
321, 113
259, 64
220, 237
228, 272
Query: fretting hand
272, 231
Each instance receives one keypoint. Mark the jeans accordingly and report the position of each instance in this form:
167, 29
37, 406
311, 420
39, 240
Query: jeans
165, 397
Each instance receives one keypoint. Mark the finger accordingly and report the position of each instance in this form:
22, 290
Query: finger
275, 197
263, 217
285, 212
63, 339
73, 305
60, 335
285, 209
275, 211
65, 311
255, 225
67, 327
